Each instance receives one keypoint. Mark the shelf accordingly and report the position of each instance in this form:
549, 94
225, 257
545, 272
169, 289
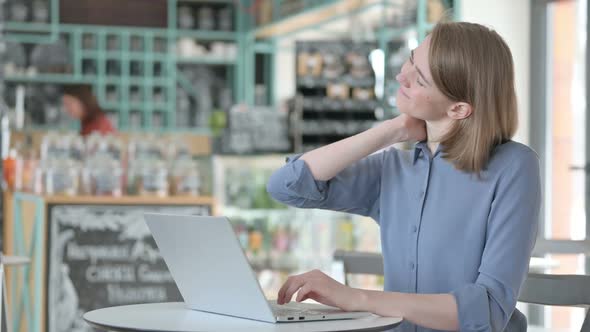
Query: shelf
311, 82
131, 80
138, 80
93, 54
208, 34
206, 60
47, 78
121, 200
26, 27
120, 54
113, 80
136, 106
158, 108
343, 112
110, 106
87, 79
328, 105
115, 30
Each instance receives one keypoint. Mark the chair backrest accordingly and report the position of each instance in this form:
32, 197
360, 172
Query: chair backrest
560, 290
356, 262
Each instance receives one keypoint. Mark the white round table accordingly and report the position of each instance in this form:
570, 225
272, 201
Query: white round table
175, 317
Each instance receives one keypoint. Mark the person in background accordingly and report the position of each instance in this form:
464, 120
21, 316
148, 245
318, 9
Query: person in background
458, 213
81, 104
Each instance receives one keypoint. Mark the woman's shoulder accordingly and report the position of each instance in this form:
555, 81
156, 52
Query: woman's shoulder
397, 153
515, 154
514, 149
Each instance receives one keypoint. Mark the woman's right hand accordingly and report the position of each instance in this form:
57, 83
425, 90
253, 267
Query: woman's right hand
408, 128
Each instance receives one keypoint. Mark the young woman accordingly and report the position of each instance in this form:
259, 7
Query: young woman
457, 213
81, 104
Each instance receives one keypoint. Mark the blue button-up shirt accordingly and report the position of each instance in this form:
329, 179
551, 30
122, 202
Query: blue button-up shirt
442, 230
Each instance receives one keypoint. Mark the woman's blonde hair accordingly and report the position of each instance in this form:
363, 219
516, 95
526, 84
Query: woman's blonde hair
471, 63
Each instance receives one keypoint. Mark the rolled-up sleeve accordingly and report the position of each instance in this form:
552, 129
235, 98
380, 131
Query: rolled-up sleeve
355, 189
487, 304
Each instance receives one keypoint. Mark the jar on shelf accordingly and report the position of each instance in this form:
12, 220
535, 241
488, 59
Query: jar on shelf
97, 143
224, 19
115, 147
186, 19
26, 174
61, 177
153, 179
178, 149
185, 178
9, 169
51, 146
76, 147
133, 179
147, 147
103, 176
205, 18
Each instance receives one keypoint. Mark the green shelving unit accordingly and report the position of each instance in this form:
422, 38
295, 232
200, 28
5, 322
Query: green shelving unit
129, 81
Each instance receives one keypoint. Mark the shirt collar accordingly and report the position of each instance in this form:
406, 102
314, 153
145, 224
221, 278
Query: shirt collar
422, 147
418, 149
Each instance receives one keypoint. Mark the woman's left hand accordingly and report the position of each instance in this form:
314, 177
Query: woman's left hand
317, 286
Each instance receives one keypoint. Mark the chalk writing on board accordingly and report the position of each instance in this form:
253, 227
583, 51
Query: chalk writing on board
103, 256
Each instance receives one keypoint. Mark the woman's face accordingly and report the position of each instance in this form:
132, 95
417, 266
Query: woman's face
417, 95
73, 107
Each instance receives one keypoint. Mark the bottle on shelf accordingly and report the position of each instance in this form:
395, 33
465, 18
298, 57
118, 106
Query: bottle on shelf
186, 19
9, 169
26, 170
205, 18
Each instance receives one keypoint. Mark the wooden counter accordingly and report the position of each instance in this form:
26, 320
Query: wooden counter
129, 200
82, 248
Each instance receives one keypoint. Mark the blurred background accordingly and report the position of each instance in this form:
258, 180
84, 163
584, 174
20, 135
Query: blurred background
115, 107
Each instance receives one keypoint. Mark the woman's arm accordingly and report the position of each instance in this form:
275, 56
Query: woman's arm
434, 311
338, 176
327, 161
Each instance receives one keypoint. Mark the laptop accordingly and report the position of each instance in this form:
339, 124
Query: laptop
213, 275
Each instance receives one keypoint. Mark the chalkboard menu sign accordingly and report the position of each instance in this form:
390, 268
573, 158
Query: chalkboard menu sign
102, 256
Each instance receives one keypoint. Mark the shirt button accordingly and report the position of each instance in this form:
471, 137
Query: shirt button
412, 266
420, 194
414, 229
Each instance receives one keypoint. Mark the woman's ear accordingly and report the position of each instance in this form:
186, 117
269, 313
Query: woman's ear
460, 111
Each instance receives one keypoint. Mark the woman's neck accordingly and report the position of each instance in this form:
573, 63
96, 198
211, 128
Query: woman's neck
435, 130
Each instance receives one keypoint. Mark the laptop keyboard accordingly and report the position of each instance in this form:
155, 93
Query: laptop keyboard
292, 309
